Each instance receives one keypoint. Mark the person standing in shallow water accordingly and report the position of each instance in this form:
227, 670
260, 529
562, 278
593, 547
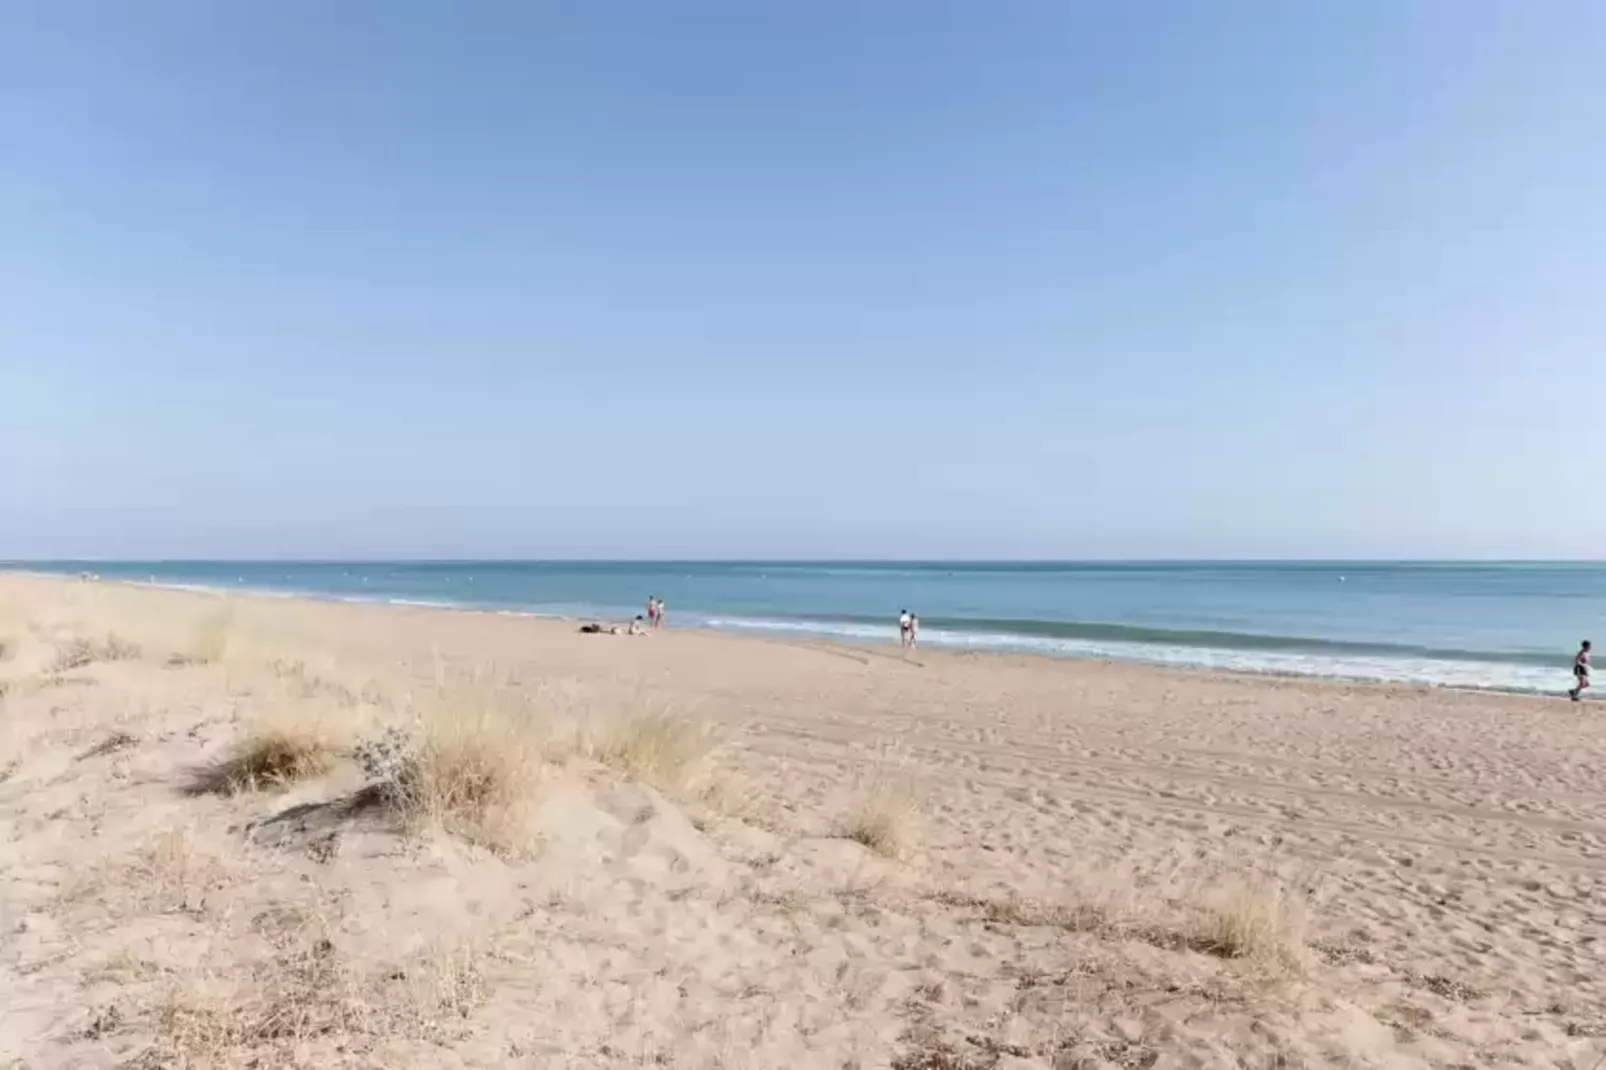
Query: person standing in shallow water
1580, 672
652, 610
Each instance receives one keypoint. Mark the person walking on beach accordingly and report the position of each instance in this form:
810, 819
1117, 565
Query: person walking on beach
905, 622
658, 614
1580, 672
914, 631
652, 610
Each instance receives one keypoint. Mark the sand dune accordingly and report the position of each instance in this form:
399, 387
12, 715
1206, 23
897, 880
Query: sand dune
1069, 865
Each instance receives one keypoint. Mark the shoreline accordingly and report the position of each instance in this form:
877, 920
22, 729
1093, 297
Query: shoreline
805, 639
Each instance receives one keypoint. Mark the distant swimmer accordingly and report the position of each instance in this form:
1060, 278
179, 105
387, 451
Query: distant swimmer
1580, 672
905, 627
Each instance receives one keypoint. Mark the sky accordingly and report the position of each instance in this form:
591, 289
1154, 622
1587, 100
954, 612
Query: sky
716, 278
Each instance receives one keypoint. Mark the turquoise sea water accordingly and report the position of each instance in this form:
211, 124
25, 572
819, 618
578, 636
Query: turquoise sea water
1467, 625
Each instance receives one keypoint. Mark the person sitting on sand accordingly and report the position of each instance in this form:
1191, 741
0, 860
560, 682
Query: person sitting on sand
636, 627
1580, 672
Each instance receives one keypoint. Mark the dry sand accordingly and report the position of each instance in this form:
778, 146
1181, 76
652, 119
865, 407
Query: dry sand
1082, 865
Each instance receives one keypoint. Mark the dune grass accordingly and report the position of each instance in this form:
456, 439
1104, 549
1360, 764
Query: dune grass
471, 770
888, 820
308, 994
170, 874
285, 748
476, 774
208, 641
665, 751
1257, 921
78, 652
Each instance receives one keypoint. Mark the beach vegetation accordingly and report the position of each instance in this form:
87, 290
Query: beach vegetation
78, 652
285, 748
662, 750
888, 819
471, 772
1257, 921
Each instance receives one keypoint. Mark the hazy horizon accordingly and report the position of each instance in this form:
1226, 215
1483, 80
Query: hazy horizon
1060, 561
1040, 281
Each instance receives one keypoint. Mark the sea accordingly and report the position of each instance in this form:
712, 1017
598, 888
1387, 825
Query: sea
1507, 626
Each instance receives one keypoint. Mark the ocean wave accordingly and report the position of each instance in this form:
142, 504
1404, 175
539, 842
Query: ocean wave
1374, 667
1100, 632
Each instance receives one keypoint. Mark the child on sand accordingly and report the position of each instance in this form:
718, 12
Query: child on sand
1580, 672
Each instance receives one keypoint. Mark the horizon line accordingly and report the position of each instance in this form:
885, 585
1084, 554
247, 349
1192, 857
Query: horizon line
9, 563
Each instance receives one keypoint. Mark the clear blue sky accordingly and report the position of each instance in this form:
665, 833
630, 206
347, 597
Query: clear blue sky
898, 278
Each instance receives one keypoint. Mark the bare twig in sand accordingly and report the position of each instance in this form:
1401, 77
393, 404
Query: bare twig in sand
117, 741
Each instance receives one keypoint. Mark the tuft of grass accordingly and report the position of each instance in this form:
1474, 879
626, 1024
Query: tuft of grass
209, 640
1256, 921
476, 775
78, 652
667, 752
171, 875
473, 773
888, 820
116, 648
307, 995
276, 753
304, 992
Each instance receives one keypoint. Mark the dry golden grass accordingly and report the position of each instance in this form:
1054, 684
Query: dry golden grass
283, 749
77, 652
170, 875
209, 639
307, 994
304, 992
888, 820
670, 753
477, 775
470, 766
1257, 921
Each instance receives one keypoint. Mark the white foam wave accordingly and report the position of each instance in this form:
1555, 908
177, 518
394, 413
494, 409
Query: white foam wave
1441, 672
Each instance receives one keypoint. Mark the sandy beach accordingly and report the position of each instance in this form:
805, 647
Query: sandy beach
737, 852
